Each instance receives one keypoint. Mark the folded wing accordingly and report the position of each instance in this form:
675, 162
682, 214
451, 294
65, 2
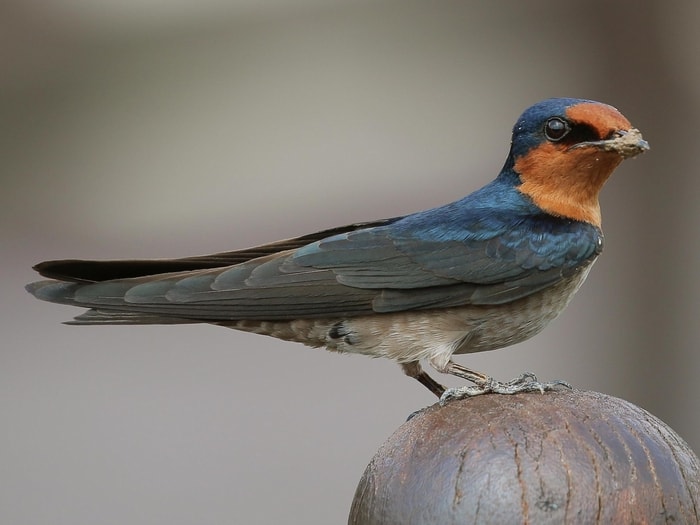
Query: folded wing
387, 266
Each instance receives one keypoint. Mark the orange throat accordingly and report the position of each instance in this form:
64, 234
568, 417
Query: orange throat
566, 183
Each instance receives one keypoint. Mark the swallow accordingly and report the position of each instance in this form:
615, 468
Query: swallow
484, 272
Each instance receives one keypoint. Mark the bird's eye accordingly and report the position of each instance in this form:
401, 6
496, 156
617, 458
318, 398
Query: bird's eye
556, 129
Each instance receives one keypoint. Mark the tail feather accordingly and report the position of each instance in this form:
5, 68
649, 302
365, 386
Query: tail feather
81, 271
96, 316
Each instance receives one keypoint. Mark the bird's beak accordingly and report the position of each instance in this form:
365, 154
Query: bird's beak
626, 143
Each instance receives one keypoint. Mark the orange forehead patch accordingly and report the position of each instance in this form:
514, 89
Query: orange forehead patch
602, 117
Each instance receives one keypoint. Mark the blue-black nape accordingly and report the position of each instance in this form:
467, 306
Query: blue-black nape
528, 131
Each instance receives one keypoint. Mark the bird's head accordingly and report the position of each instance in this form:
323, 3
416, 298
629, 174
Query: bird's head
564, 150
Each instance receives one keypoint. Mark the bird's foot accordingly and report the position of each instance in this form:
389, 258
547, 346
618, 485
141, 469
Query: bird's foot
526, 382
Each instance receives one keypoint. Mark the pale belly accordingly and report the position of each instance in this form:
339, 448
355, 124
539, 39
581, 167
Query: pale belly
428, 334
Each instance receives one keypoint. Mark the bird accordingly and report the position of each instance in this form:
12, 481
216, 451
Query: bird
487, 271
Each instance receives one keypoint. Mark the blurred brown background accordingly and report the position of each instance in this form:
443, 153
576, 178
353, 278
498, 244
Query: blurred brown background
159, 129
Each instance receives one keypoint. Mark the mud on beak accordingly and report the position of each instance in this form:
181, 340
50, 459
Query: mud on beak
626, 143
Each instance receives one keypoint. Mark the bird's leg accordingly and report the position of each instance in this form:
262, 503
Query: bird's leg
413, 369
483, 384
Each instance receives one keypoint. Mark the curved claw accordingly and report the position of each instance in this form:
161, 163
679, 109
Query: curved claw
526, 382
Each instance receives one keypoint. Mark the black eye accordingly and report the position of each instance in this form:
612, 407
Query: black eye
556, 129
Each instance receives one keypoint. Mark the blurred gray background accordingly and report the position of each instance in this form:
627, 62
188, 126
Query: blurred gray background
142, 128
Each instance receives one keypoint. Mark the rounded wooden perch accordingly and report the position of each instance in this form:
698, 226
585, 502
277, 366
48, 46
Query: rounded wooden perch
568, 457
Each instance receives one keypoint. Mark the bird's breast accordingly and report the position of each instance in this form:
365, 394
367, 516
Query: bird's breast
508, 324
